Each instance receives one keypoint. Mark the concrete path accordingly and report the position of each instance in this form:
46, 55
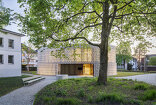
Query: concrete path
148, 78
25, 95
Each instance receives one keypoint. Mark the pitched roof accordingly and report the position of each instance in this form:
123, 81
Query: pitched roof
11, 32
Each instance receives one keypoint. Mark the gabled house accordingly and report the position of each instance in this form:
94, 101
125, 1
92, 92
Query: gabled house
86, 61
10, 53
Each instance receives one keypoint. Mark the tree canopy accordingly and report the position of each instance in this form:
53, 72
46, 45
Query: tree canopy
5, 15
123, 51
66, 20
69, 22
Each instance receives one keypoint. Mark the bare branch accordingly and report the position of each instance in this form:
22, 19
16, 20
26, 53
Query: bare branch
120, 16
66, 20
138, 20
87, 27
98, 14
75, 36
118, 28
125, 5
75, 39
112, 19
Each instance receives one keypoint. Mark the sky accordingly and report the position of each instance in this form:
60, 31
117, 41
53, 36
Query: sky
13, 5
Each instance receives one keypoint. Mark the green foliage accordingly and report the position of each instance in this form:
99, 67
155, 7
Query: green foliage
141, 87
113, 97
68, 101
60, 92
123, 51
148, 95
81, 93
45, 21
5, 15
25, 76
60, 101
90, 99
152, 61
120, 58
117, 91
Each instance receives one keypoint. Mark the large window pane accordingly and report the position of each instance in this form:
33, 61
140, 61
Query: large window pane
1, 42
11, 59
1, 59
11, 43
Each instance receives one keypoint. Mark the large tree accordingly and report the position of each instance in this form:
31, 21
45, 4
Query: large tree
57, 23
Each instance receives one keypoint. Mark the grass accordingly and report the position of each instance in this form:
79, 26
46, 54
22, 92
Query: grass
140, 86
123, 74
86, 91
25, 76
9, 84
30, 72
148, 95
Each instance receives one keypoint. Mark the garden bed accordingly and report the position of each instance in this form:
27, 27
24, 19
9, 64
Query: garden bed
86, 91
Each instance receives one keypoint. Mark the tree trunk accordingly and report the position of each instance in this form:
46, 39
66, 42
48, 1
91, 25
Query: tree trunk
28, 60
104, 45
103, 61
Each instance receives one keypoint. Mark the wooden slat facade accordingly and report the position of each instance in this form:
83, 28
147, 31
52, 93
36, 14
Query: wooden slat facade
50, 65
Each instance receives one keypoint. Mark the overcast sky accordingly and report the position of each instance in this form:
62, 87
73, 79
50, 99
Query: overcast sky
12, 4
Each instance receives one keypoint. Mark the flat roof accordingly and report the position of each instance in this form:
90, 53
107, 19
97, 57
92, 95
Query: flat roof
11, 32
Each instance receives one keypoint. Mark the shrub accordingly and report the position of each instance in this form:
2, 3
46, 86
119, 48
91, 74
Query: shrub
90, 99
81, 93
67, 101
109, 98
48, 99
148, 95
90, 88
141, 87
60, 92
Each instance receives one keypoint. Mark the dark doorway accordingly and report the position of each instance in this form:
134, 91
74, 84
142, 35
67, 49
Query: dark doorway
77, 69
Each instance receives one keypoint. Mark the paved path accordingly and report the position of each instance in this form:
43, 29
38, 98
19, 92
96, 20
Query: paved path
148, 78
25, 95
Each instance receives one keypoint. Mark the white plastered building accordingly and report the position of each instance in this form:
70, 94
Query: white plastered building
10, 53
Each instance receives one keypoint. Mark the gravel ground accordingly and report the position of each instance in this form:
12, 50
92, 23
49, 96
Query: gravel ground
148, 78
25, 95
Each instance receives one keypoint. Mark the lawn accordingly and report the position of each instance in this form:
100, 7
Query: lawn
9, 84
25, 76
30, 72
123, 74
85, 91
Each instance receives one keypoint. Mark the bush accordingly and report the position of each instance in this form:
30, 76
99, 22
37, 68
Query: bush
109, 98
67, 101
141, 87
152, 61
60, 92
148, 95
90, 99
81, 93
116, 99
